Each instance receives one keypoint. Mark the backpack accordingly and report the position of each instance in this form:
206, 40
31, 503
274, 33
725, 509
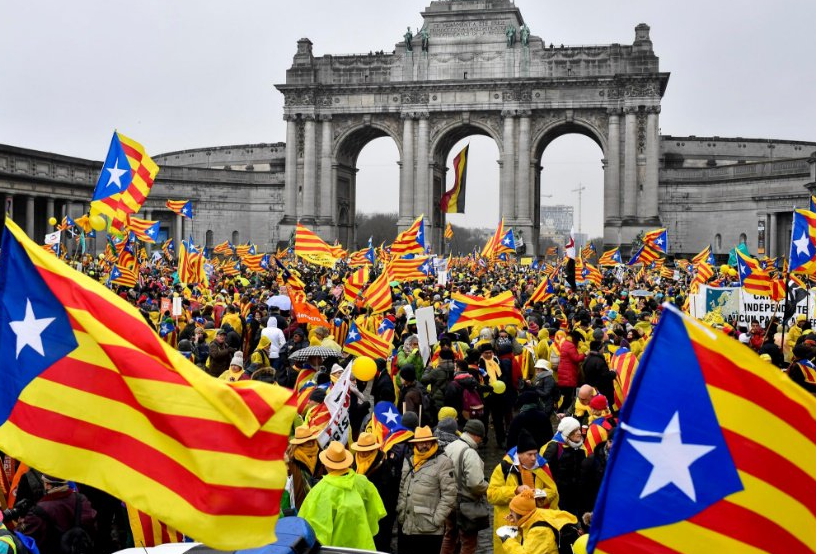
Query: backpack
428, 407
75, 540
472, 404
21, 542
564, 537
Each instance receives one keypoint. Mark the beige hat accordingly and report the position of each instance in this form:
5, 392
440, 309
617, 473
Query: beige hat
423, 434
304, 433
543, 364
336, 456
365, 443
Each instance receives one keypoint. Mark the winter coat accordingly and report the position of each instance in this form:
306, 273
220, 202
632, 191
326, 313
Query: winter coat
384, 480
597, 374
220, 357
439, 377
276, 337
546, 389
427, 496
382, 390
411, 397
474, 482
504, 481
414, 359
59, 507
538, 539
565, 463
570, 366
535, 420
334, 508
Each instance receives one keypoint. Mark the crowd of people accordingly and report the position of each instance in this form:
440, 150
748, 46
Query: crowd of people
543, 391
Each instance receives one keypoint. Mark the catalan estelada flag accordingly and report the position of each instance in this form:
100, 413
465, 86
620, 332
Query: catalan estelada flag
491, 246
144, 229
377, 295
624, 363
126, 179
543, 292
467, 310
411, 240
752, 278
724, 463
183, 208
92, 394
409, 269
803, 242
449, 232
312, 248
610, 258
360, 342
705, 255
657, 239
645, 255
354, 283
453, 201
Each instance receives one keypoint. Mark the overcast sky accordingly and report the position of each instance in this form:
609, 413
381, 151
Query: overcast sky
178, 74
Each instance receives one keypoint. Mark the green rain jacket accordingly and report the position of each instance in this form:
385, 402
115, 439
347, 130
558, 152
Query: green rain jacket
333, 509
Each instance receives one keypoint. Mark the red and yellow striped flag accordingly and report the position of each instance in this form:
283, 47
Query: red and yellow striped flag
149, 531
353, 286
312, 248
377, 295
86, 399
410, 241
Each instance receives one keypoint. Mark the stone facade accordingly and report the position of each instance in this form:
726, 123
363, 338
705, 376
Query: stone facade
471, 76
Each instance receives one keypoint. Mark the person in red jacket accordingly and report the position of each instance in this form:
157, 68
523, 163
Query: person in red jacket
569, 367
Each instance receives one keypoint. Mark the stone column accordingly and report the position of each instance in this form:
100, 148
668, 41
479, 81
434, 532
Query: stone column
523, 208
612, 191
290, 175
630, 163
772, 239
49, 211
406, 193
422, 198
507, 181
326, 206
29, 221
650, 184
309, 169
148, 214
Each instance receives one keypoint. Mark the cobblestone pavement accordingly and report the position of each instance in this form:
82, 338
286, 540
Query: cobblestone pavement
492, 456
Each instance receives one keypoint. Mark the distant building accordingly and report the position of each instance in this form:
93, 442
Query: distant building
556, 222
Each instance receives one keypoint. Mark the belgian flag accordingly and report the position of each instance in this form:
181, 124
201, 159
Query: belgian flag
453, 201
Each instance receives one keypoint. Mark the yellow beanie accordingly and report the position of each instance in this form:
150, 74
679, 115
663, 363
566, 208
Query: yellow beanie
447, 411
523, 503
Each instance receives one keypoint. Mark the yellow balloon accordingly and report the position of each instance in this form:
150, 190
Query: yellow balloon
364, 368
98, 223
724, 268
580, 545
499, 386
52, 221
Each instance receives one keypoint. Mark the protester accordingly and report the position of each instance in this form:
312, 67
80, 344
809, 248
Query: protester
304, 467
564, 454
539, 530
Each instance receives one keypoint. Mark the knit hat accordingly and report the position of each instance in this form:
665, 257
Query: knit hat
766, 357
523, 503
475, 427
526, 442
447, 425
408, 373
317, 395
238, 359
567, 426
599, 402
446, 411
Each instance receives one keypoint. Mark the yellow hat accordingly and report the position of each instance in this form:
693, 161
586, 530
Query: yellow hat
365, 443
447, 411
523, 503
423, 434
304, 433
336, 456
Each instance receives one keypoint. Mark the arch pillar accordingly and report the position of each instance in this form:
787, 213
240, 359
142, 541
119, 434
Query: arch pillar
290, 172
507, 206
406, 196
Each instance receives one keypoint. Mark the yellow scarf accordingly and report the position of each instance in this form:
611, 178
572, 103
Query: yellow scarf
339, 472
364, 460
493, 370
526, 517
603, 415
421, 457
307, 454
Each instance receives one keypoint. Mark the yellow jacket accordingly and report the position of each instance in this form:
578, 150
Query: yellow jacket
538, 539
502, 488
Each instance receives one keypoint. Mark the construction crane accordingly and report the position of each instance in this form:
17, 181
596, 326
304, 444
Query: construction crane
579, 190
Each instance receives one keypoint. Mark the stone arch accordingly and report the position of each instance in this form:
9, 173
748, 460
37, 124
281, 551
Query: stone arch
347, 148
557, 129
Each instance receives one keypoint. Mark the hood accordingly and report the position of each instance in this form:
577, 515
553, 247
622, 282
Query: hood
272, 322
342, 481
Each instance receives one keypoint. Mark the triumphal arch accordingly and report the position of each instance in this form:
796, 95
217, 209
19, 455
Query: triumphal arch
474, 67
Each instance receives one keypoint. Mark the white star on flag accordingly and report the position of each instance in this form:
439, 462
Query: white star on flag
659, 241
391, 416
115, 174
802, 244
352, 335
671, 460
29, 330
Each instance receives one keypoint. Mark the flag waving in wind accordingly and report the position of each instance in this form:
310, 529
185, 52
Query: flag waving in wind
183, 208
725, 463
126, 179
453, 201
86, 383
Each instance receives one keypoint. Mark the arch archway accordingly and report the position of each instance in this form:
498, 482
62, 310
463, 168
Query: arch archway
348, 147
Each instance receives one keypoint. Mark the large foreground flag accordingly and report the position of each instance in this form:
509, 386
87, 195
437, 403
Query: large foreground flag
725, 463
125, 181
467, 310
453, 201
92, 394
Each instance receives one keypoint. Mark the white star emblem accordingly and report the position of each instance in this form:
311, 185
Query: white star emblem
151, 232
381, 329
802, 244
29, 331
506, 242
671, 460
116, 174
659, 241
353, 335
391, 416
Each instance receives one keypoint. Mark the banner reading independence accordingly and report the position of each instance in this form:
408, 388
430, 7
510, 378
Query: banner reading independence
762, 308
735, 303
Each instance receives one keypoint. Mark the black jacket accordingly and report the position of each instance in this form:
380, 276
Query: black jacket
536, 421
597, 374
382, 389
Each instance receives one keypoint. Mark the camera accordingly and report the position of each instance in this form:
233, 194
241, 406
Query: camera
19, 510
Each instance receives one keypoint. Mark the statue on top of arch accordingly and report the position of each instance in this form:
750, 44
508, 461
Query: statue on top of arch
510, 33
525, 35
408, 36
425, 36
